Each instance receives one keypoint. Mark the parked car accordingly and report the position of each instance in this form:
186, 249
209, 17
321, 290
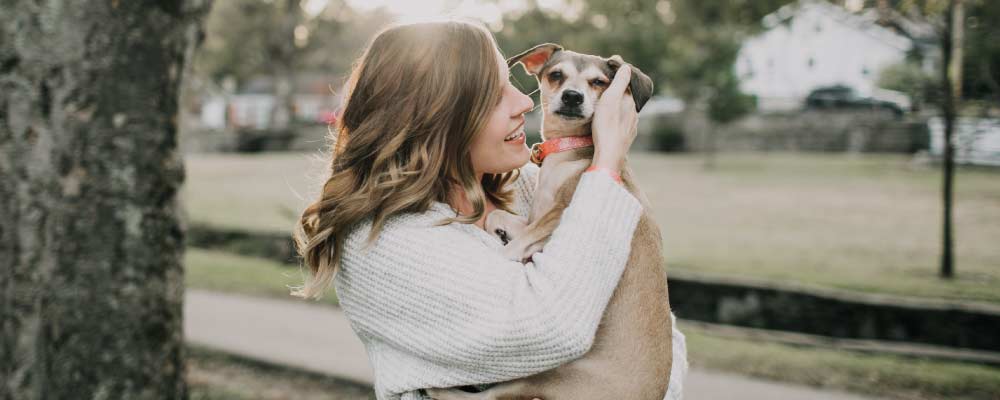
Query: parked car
840, 96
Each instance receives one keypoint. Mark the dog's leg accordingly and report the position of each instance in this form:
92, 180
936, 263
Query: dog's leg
534, 236
538, 231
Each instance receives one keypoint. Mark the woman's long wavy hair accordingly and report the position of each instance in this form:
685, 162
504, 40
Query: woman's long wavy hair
413, 103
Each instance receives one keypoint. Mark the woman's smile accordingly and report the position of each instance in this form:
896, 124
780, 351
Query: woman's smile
517, 137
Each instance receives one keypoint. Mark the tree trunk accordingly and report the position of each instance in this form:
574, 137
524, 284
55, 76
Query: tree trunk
91, 287
952, 84
283, 50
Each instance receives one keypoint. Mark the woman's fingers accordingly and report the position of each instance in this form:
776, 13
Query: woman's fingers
615, 121
628, 106
616, 90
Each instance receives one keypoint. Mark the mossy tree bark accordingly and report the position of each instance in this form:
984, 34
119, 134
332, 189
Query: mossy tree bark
91, 283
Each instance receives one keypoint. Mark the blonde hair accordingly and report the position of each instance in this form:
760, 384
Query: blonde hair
413, 104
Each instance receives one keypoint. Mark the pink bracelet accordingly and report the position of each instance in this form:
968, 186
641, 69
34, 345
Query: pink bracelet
614, 175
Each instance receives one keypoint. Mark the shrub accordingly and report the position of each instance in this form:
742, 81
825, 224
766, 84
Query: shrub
667, 136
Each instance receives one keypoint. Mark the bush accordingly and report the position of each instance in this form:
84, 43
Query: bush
667, 136
909, 78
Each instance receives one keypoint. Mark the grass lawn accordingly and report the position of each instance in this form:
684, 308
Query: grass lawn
226, 272
868, 223
883, 375
257, 192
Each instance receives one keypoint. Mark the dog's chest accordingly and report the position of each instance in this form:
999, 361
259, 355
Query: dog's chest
554, 172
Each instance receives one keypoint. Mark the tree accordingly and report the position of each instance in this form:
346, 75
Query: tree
248, 38
977, 70
948, 19
91, 288
726, 104
951, 79
980, 60
908, 77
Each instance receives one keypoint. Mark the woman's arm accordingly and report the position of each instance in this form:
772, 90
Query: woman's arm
444, 298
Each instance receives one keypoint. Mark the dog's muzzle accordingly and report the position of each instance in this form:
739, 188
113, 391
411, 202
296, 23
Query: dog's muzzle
571, 101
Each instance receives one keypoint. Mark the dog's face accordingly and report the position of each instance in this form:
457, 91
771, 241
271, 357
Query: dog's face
570, 84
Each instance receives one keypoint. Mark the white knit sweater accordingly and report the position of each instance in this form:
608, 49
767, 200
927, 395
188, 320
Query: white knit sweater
439, 306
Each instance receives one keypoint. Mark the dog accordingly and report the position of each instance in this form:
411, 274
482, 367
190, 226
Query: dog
631, 356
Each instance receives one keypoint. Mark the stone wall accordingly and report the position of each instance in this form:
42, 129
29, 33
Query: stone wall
806, 130
835, 313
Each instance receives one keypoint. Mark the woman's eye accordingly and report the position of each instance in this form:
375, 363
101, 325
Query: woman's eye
555, 75
599, 83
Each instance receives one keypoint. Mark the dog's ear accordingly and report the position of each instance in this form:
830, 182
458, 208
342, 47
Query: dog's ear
534, 58
640, 84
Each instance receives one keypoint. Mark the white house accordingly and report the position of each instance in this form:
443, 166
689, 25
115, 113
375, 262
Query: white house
975, 141
814, 43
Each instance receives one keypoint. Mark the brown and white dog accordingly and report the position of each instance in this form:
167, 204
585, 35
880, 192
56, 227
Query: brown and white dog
631, 356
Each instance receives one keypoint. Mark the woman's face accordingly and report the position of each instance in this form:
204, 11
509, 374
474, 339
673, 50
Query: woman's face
490, 152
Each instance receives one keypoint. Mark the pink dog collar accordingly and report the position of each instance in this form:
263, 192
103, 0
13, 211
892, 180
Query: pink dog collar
540, 150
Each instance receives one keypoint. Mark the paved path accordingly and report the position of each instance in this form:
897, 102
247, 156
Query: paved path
319, 338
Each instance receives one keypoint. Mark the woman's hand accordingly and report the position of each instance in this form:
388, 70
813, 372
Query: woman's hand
615, 122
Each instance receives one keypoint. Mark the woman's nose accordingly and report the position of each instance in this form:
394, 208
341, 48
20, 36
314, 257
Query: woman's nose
525, 103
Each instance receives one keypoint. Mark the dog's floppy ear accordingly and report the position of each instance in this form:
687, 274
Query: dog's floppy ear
534, 58
640, 84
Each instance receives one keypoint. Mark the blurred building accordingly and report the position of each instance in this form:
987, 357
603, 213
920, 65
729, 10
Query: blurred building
252, 106
812, 43
976, 140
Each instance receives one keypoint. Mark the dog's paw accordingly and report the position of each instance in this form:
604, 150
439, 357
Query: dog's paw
505, 225
519, 250
514, 252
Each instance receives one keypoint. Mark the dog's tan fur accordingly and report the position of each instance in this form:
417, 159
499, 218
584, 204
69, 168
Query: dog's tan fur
631, 356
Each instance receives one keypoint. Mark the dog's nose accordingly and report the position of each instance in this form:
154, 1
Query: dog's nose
572, 98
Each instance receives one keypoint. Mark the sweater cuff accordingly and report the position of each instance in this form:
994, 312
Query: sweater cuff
599, 197
602, 182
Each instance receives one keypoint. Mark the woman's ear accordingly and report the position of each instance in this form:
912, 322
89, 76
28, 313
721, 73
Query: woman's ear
534, 58
640, 85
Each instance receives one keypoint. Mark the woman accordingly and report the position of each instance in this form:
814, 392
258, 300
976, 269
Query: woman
422, 156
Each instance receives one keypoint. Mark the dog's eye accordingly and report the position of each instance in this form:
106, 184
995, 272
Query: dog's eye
599, 83
555, 75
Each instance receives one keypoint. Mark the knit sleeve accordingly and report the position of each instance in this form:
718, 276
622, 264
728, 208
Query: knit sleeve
469, 316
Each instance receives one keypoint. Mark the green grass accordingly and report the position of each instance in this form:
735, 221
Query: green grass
866, 223
255, 192
880, 375
226, 272
869, 223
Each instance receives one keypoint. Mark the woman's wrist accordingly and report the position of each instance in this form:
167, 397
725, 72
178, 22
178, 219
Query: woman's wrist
613, 173
611, 163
